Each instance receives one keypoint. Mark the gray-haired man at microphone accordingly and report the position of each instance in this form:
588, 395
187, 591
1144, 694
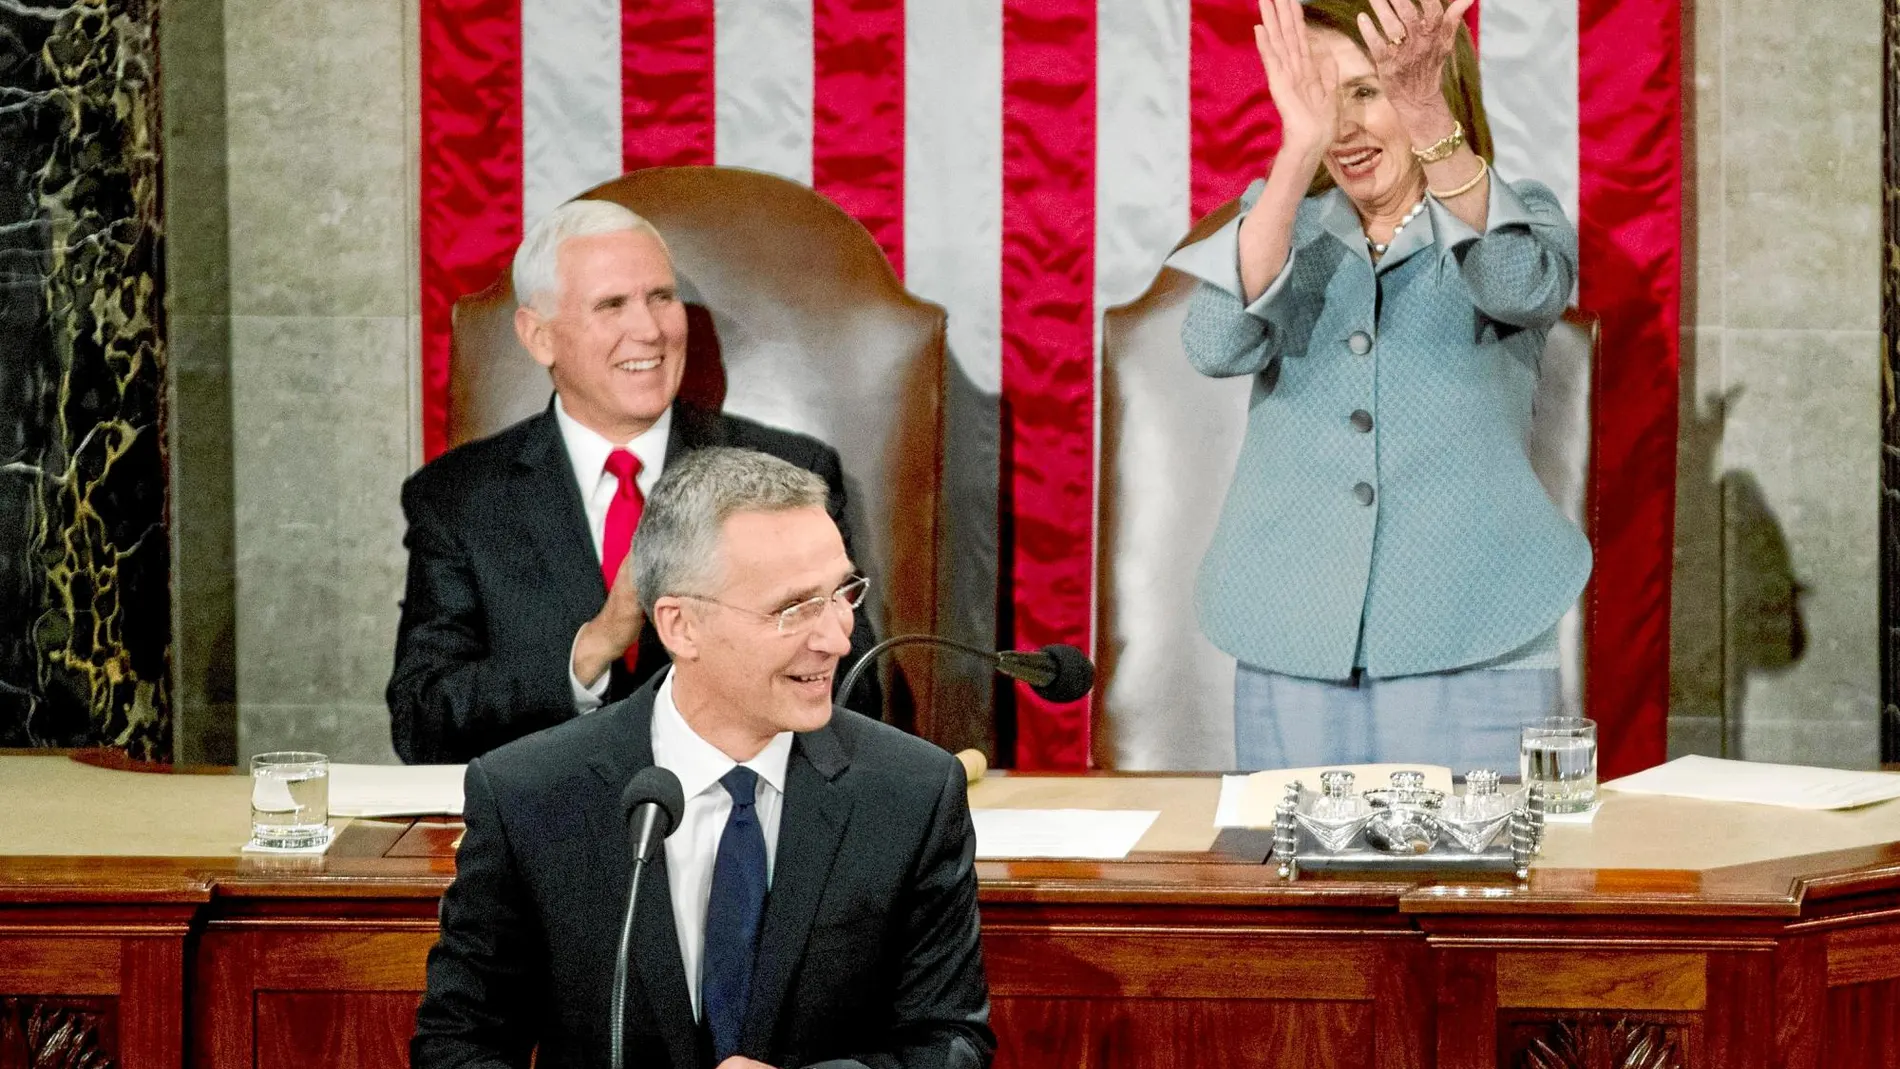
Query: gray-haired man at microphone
816, 904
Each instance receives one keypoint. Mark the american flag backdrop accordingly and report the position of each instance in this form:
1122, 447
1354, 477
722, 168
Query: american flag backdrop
1029, 163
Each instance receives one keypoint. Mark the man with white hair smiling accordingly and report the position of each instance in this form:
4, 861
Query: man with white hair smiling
518, 613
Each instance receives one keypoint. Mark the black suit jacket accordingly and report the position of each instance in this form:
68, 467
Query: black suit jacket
503, 573
868, 952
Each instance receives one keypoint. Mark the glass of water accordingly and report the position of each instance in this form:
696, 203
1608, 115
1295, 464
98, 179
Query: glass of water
290, 800
1560, 752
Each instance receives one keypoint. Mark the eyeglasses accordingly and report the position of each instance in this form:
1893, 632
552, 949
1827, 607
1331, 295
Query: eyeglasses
800, 617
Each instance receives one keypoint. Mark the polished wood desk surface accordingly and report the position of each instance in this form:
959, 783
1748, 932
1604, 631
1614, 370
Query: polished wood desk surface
180, 835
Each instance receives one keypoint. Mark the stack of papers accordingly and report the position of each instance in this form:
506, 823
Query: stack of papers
396, 790
1792, 786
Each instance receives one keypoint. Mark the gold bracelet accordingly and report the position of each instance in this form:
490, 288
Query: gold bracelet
1483, 169
1441, 149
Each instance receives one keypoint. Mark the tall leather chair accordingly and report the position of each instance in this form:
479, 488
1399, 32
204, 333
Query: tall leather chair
1170, 440
795, 320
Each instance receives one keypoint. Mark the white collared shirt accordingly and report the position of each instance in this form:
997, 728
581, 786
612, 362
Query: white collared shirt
693, 846
587, 451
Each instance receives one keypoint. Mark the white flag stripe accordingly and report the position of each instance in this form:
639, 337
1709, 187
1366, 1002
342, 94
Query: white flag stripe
762, 86
953, 174
570, 100
1527, 52
1142, 156
1142, 144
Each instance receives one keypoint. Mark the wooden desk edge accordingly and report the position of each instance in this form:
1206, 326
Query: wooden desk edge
366, 864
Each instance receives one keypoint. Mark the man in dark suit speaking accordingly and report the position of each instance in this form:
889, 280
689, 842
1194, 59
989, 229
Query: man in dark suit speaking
516, 615
817, 902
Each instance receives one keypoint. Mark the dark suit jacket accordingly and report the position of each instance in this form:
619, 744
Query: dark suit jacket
868, 951
502, 573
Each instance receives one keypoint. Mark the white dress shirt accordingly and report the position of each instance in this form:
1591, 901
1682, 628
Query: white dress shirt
693, 846
587, 451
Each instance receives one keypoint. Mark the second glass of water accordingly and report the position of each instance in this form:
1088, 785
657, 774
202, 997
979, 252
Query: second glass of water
1560, 752
290, 800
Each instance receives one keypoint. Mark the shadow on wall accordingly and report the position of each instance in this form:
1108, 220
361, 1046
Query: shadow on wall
1763, 632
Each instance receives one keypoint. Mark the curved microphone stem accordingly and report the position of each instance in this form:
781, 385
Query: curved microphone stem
618, 1019
871, 655
617, 1036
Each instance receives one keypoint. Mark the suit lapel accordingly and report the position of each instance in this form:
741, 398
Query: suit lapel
1336, 216
1417, 236
693, 428
811, 826
655, 947
550, 506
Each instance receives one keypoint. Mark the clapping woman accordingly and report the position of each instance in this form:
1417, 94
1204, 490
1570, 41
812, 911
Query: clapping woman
1387, 569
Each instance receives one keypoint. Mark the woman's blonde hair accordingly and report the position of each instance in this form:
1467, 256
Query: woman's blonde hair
1459, 83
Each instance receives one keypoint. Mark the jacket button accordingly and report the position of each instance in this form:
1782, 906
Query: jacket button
1360, 343
1362, 421
1363, 492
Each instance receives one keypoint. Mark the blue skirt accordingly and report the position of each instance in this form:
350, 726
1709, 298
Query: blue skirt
1464, 719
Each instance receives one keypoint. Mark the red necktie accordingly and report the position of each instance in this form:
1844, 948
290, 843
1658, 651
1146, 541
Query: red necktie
623, 515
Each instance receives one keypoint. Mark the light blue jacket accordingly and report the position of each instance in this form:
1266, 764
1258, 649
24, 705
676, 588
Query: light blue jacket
1383, 512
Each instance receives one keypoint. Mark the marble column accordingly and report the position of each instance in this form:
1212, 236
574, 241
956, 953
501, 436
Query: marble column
85, 601
1890, 402
322, 133
1777, 618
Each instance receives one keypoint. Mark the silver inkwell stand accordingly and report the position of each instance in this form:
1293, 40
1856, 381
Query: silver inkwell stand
1407, 826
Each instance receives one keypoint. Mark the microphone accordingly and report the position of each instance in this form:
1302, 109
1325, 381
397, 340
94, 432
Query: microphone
1056, 673
652, 805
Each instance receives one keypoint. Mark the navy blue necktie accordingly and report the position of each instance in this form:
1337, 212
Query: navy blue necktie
732, 916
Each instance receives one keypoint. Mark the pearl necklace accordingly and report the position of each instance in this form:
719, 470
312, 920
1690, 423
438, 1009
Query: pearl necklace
1379, 247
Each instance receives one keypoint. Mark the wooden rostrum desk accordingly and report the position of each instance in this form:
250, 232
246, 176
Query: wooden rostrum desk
1669, 933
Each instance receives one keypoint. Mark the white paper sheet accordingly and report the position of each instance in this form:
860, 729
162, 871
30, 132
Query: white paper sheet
1099, 834
1791, 786
1587, 816
396, 790
1233, 793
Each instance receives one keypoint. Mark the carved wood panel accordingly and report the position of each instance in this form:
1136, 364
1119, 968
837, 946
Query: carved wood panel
58, 1033
1108, 1033
1597, 1041
1863, 1026
318, 1030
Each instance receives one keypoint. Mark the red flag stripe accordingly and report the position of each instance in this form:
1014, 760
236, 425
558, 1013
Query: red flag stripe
858, 114
1048, 316
666, 82
470, 173
1234, 131
1630, 170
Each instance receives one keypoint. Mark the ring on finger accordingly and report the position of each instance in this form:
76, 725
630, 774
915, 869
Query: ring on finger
1399, 40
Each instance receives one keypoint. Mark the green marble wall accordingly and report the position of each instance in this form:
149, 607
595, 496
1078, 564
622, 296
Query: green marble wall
85, 602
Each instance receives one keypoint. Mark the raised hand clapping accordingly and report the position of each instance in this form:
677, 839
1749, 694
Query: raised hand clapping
1409, 47
1305, 87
